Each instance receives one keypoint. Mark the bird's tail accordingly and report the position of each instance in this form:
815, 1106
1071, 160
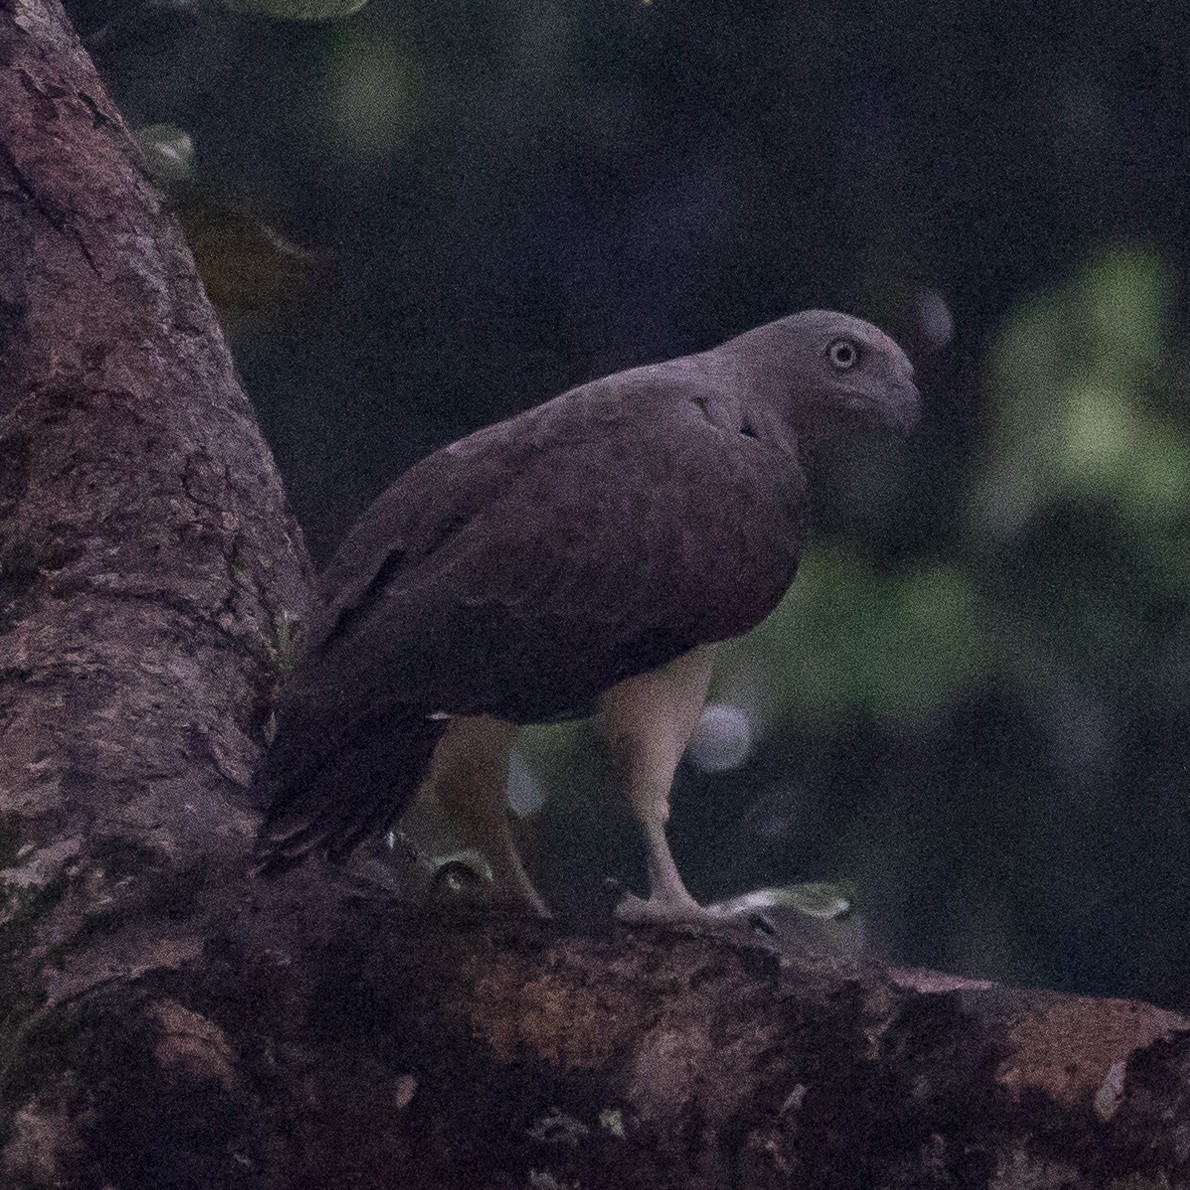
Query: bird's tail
329, 792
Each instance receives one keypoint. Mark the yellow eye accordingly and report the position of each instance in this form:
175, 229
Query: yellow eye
843, 354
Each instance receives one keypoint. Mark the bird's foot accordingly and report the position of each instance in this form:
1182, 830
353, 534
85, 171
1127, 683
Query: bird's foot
685, 911
634, 910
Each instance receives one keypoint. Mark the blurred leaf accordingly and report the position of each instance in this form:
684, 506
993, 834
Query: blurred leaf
169, 152
800, 918
297, 10
816, 899
1073, 375
245, 264
545, 746
372, 96
846, 638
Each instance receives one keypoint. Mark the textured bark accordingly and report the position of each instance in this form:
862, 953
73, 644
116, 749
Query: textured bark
148, 564
424, 1052
165, 1020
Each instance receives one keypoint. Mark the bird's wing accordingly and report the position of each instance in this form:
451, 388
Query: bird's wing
520, 573
526, 569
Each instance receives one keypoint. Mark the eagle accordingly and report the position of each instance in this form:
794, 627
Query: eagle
582, 557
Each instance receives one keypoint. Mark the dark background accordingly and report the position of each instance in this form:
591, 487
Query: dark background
973, 710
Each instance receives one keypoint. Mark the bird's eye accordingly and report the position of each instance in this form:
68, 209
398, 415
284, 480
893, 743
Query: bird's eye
843, 354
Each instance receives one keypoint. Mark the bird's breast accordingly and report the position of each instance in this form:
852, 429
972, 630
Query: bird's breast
739, 550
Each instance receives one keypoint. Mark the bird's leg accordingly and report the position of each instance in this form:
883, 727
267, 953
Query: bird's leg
648, 721
469, 781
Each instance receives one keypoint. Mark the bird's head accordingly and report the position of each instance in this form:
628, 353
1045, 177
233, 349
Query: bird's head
831, 371
854, 371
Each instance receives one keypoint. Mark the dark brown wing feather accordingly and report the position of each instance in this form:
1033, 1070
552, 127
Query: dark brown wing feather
521, 572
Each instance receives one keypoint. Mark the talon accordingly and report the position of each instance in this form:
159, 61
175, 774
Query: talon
634, 910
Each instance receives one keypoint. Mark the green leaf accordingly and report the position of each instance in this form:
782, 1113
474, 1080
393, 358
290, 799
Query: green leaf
169, 152
826, 901
1074, 374
297, 10
846, 638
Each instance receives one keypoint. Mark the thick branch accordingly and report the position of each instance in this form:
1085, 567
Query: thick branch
148, 562
429, 1052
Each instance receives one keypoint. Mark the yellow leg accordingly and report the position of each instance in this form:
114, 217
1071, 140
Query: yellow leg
648, 721
469, 781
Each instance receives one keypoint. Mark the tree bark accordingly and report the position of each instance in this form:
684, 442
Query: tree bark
168, 1020
148, 562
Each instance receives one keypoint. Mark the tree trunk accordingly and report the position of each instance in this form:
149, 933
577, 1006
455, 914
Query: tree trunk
168, 1020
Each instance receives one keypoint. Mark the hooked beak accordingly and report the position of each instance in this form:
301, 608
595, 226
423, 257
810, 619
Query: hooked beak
902, 411
898, 408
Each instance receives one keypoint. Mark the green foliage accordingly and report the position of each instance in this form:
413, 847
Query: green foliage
1081, 515
1078, 520
816, 899
374, 96
548, 745
847, 638
1074, 375
169, 152
297, 10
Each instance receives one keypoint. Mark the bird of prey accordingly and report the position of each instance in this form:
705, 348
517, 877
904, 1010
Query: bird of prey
584, 556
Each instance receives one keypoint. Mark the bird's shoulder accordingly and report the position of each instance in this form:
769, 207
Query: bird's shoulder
650, 448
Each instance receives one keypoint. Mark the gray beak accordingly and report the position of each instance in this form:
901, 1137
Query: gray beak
902, 410
897, 408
